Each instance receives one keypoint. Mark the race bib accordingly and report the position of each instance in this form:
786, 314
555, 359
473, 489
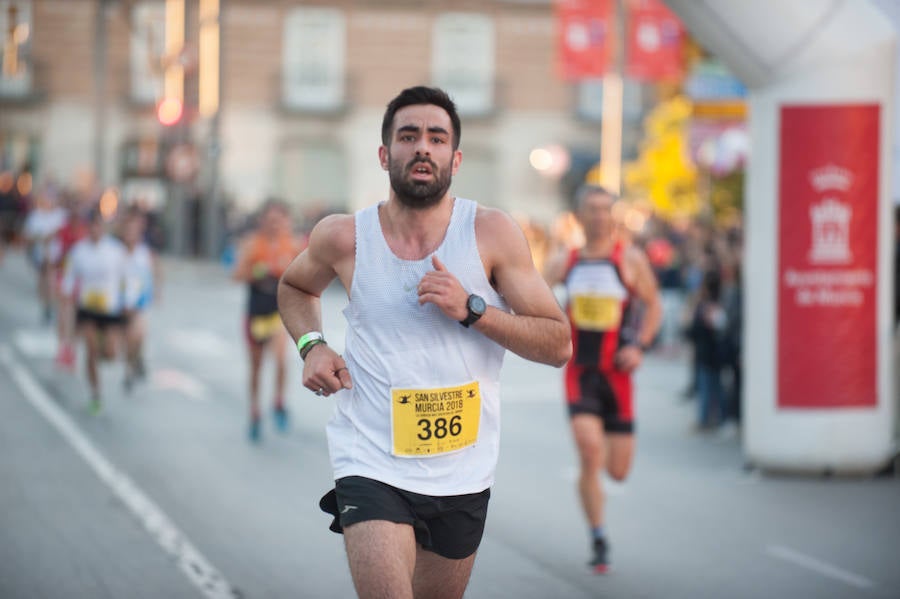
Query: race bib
429, 422
596, 312
95, 301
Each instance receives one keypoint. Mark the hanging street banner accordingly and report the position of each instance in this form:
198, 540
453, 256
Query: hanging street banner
655, 42
828, 246
585, 31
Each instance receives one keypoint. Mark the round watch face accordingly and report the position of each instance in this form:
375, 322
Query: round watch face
477, 304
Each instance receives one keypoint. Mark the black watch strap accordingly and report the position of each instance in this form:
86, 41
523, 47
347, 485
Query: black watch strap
476, 306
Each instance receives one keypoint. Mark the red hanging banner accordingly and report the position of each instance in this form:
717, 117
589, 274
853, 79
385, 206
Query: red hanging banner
584, 32
655, 42
828, 249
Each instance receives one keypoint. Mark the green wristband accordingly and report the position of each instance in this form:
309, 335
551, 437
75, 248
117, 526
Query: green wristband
306, 348
308, 337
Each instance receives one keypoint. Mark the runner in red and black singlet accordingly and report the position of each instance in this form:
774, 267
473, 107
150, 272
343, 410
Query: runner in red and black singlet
615, 311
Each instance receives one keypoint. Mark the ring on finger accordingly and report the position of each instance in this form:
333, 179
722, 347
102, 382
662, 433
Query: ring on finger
321, 391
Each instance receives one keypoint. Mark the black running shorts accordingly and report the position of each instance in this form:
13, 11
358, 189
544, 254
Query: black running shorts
102, 321
451, 526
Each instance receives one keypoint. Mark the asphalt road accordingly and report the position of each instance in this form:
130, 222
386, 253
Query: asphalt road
161, 495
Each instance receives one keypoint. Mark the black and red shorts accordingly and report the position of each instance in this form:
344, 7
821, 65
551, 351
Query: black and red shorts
605, 394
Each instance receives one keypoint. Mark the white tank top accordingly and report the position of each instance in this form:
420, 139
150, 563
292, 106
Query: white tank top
412, 367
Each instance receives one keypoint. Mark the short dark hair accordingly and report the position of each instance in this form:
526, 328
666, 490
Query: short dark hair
589, 189
420, 95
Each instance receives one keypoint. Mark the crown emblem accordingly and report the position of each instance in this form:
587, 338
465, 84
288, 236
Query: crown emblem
830, 177
830, 232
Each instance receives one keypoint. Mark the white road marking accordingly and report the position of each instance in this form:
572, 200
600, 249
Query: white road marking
820, 567
190, 561
166, 379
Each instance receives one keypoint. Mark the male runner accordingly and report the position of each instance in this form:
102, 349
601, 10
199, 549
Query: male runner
94, 282
607, 283
439, 287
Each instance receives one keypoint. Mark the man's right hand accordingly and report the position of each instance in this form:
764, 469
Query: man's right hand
325, 371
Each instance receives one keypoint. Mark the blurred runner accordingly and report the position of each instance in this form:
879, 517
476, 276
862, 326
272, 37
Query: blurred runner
143, 285
603, 280
41, 224
263, 257
95, 282
74, 229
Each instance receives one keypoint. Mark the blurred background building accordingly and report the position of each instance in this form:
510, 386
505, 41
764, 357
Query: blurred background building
200, 109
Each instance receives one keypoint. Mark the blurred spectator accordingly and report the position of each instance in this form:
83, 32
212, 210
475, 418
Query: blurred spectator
11, 211
732, 301
706, 331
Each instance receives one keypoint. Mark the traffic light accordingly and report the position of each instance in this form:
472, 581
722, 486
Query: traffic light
169, 111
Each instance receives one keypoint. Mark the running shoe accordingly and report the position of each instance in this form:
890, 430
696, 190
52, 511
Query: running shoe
282, 421
254, 433
94, 407
600, 563
65, 357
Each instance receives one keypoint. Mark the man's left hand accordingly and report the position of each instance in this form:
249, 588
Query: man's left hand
441, 288
629, 357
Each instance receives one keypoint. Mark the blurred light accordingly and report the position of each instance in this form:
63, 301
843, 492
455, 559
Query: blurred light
24, 184
21, 33
109, 203
174, 76
635, 220
611, 133
551, 161
209, 58
540, 159
169, 111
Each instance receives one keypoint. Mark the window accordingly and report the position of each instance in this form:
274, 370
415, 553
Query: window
462, 61
313, 63
148, 39
313, 175
15, 33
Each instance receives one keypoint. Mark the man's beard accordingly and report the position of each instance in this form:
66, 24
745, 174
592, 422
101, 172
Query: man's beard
418, 194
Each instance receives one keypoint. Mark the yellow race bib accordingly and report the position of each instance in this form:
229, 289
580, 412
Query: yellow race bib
596, 312
95, 301
429, 422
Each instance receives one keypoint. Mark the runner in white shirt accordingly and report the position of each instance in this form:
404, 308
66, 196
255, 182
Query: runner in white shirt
439, 287
41, 224
143, 276
95, 281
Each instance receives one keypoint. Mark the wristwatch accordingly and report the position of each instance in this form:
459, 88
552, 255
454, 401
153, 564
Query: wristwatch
476, 307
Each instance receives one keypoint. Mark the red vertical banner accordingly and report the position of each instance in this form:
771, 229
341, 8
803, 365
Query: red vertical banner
655, 42
828, 249
585, 36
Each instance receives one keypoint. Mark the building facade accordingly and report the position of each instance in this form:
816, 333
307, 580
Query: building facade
301, 93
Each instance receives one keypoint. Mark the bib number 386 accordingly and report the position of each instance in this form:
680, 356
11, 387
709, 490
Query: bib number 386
429, 422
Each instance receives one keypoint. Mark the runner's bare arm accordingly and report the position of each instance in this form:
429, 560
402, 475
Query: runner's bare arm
537, 330
330, 254
243, 269
647, 290
555, 268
